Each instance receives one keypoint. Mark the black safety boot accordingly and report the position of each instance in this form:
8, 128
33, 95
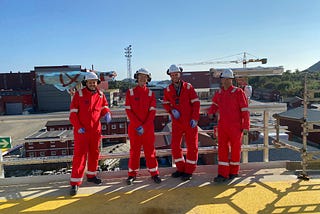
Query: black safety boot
130, 180
233, 176
94, 180
220, 179
156, 179
176, 174
74, 190
186, 177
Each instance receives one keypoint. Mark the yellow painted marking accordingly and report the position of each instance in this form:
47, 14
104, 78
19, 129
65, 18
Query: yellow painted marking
136, 189
7, 205
226, 193
156, 196
213, 208
256, 197
114, 198
50, 205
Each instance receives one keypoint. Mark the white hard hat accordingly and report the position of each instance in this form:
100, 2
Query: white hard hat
174, 68
228, 73
142, 71
91, 76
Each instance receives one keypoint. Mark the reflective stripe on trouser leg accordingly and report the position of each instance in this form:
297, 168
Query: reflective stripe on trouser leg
223, 167
79, 158
93, 154
135, 150
235, 145
176, 147
223, 153
149, 151
180, 164
191, 137
132, 172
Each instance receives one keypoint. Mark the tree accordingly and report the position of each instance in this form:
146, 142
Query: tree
284, 85
289, 83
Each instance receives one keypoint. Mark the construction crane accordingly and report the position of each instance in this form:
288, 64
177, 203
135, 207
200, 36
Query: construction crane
244, 71
243, 60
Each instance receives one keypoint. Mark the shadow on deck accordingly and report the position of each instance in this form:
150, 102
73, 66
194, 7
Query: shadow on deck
261, 188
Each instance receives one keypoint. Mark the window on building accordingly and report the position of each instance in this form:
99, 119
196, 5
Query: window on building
51, 129
113, 126
104, 127
30, 143
31, 154
64, 152
42, 154
53, 153
121, 125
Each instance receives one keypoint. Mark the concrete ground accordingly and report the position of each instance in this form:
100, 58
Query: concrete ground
21, 126
261, 188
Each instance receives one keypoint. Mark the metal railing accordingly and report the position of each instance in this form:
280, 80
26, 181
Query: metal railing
265, 125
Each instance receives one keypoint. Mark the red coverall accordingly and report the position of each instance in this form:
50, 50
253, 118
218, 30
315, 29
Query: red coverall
141, 110
188, 104
86, 109
232, 105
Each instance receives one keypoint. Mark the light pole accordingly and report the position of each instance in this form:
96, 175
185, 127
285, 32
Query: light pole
128, 55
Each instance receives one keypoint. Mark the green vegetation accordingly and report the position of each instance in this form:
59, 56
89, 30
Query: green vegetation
289, 83
123, 85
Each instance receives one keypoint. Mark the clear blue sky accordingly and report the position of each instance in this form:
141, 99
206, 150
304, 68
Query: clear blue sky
164, 32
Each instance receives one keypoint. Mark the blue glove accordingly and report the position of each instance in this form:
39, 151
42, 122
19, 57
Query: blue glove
81, 131
140, 130
193, 123
175, 113
108, 118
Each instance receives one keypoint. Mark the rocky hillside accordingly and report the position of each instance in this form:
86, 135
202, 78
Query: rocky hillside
314, 68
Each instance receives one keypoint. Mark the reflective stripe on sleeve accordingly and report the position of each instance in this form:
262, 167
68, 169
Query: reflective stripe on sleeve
105, 107
150, 93
195, 100
244, 109
131, 91
214, 103
152, 108
74, 110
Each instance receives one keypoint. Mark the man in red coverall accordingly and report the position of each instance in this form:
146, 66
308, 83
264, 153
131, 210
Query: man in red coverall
182, 102
242, 83
87, 107
141, 110
233, 120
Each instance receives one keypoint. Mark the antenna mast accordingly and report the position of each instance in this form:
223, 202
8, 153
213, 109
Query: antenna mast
128, 55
